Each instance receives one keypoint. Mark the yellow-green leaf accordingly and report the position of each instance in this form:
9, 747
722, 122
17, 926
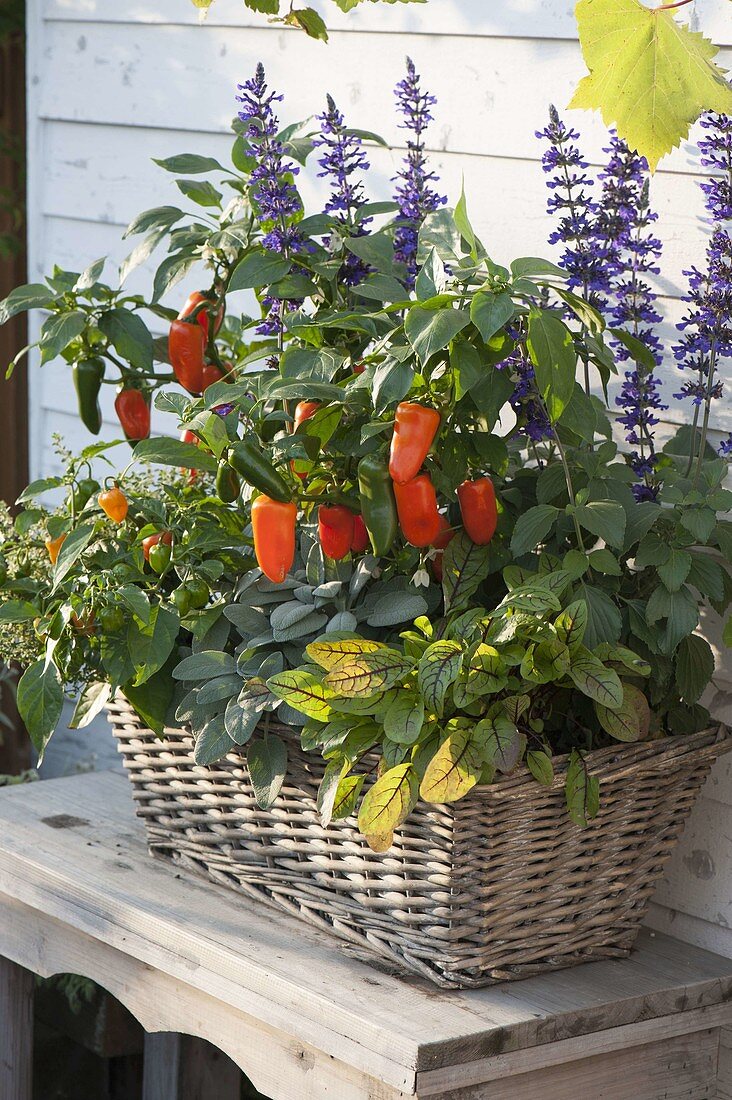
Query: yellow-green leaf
369, 673
304, 692
392, 797
455, 768
649, 76
631, 721
329, 654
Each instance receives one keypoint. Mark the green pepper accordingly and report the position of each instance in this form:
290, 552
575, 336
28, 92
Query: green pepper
112, 620
182, 601
378, 506
255, 468
198, 592
88, 375
159, 557
227, 482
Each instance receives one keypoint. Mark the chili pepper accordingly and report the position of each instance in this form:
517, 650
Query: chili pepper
54, 547
198, 592
210, 374
359, 368
360, 540
159, 557
166, 537
335, 530
187, 436
112, 619
186, 346
273, 525
88, 375
182, 601
254, 467
378, 505
417, 509
227, 482
304, 410
415, 427
113, 503
133, 410
204, 314
478, 509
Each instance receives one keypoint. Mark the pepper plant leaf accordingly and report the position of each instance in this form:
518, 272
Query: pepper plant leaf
649, 76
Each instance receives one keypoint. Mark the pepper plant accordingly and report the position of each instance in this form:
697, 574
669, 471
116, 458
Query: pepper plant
399, 429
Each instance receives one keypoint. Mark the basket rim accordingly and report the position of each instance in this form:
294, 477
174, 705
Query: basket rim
713, 741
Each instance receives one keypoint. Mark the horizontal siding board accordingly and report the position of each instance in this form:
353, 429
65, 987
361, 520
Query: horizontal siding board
480, 110
476, 18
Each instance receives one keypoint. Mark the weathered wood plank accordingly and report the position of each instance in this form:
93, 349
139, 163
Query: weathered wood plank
98, 877
724, 1065
182, 1067
682, 1068
16, 1031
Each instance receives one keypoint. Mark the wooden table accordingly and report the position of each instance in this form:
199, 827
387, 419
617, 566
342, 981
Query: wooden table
303, 1016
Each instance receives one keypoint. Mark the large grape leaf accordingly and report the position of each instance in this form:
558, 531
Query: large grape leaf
650, 76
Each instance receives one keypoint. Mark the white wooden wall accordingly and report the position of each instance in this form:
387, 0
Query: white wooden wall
112, 84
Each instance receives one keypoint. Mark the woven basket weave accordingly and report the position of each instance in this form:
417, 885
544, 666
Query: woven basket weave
498, 886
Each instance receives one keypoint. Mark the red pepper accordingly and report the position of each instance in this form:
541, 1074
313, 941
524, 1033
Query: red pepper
204, 314
133, 410
359, 368
186, 346
417, 509
304, 410
478, 509
415, 427
273, 526
187, 436
360, 540
335, 530
210, 374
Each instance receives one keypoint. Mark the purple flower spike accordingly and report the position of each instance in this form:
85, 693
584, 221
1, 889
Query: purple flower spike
343, 159
414, 193
277, 202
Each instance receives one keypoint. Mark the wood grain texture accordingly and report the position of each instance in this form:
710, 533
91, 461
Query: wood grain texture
16, 1031
182, 1067
724, 1065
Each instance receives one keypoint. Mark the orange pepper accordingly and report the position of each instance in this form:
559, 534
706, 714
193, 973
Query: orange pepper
113, 503
54, 547
273, 525
415, 427
478, 509
417, 510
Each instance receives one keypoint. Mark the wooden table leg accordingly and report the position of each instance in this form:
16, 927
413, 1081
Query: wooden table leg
181, 1067
16, 1031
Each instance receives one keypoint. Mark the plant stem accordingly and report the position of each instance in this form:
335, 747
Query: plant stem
670, 7
570, 491
707, 409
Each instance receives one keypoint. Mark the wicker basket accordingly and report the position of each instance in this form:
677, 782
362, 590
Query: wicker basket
498, 886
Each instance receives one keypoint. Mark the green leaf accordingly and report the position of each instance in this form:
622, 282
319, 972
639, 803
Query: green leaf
267, 764
551, 349
456, 766
462, 222
396, 608
368, 674
308, 20
303, 692
572, 624
604, 621
700, 522
30, 296
532, 527
582, 790
91, 702
174, 452
158, 217
40, 701
490, 310
152, 644
390, 800
129, 336
73, 547
604, 518
464, 566
629, 722
694, 667
212, 742
204, 666
404, 718
439, 667
680, 611
541, 767
201, 192
189, 163
329, 654
649, 76
502, 744
376, 249
595, 680
58, 331
431, 330
259, 269
18, 611
675, 569
171, 271
152, 700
